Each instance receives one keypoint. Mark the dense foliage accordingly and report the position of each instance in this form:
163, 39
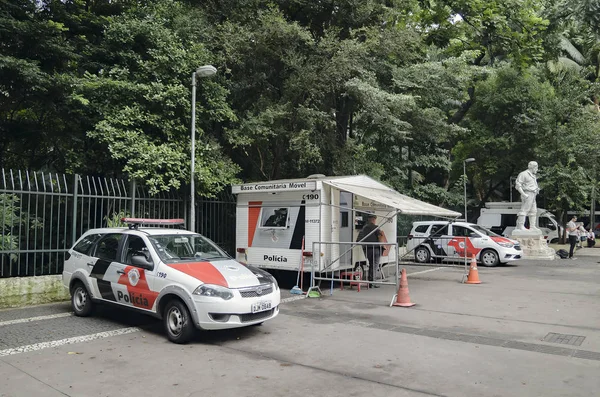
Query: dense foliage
401, 90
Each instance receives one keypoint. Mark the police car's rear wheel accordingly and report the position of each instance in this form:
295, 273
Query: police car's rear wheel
81, 302
422, 255
178, 323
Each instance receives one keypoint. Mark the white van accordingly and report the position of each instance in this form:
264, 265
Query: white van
501, 218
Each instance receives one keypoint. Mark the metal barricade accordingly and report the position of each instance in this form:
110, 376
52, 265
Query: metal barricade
323, 268
438, 251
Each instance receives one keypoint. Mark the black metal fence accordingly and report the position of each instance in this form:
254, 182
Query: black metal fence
42, 214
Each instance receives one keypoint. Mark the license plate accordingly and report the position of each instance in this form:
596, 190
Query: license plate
261, 306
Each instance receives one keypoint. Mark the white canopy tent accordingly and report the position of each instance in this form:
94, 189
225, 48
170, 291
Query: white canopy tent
368, 188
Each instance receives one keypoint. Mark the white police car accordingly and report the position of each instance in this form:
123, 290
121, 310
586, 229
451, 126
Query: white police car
176, 275
452, 241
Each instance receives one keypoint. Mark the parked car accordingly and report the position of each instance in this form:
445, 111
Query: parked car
443, 240
176, 275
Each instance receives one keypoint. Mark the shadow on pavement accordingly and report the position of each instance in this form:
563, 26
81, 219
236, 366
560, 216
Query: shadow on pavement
130, 318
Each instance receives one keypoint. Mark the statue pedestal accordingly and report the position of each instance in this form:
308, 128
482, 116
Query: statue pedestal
533, 244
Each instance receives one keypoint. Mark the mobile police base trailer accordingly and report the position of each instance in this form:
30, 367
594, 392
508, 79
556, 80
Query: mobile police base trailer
314, 222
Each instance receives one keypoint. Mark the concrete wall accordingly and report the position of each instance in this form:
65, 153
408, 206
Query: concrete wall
24, 291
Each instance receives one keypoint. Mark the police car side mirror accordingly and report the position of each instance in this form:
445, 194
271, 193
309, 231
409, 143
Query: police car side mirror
141, 261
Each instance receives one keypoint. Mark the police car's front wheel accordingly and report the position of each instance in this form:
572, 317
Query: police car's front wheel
489, 258
178, 323
81, 302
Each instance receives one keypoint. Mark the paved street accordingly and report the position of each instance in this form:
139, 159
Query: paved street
527, 330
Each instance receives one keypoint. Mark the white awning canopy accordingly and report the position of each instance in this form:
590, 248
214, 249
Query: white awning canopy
384, 195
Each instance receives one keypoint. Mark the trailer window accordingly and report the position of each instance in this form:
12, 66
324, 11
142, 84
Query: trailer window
345, 222
274, 218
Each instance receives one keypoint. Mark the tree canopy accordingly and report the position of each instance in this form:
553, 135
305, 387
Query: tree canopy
403, 91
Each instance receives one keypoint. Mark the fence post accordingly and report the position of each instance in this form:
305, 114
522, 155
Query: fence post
133, 198
75, 194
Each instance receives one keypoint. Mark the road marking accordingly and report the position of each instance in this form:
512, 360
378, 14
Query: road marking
425, 271
67, 341
293, 298
30, 319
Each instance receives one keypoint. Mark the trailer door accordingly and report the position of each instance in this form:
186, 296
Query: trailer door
346, 229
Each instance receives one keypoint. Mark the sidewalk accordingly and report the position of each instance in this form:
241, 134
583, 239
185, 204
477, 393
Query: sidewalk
578, 251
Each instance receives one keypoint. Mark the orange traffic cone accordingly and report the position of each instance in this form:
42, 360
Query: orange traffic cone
402, 298
473, 277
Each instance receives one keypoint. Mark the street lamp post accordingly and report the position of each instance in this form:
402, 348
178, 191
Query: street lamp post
202, 71
469, 160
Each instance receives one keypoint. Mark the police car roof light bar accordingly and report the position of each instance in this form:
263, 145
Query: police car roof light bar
133, 223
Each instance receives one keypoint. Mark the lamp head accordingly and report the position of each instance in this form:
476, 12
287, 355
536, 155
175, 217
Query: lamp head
206, 71
469, 160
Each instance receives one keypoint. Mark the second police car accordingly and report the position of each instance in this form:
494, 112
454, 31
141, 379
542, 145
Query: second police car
176, 275
441, 240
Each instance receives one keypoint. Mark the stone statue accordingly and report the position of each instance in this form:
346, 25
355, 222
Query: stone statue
533, 243
526, 185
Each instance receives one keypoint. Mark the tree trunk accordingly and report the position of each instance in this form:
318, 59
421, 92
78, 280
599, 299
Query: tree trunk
462, 112
343, 111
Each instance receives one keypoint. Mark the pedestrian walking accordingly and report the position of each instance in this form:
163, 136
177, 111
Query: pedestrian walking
582, 235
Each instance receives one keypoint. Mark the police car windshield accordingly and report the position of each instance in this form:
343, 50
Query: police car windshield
484, 231
186, 248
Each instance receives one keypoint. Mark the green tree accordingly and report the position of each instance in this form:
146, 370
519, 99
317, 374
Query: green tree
400, 90
500, 29
45, 47
140, 99
575, 41
505, 125
35, 75
440, 86
568, 149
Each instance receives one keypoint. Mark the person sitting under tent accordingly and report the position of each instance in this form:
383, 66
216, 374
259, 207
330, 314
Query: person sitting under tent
371, 233
591, 238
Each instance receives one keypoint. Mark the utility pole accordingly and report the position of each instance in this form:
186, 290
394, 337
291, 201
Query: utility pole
593, 210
